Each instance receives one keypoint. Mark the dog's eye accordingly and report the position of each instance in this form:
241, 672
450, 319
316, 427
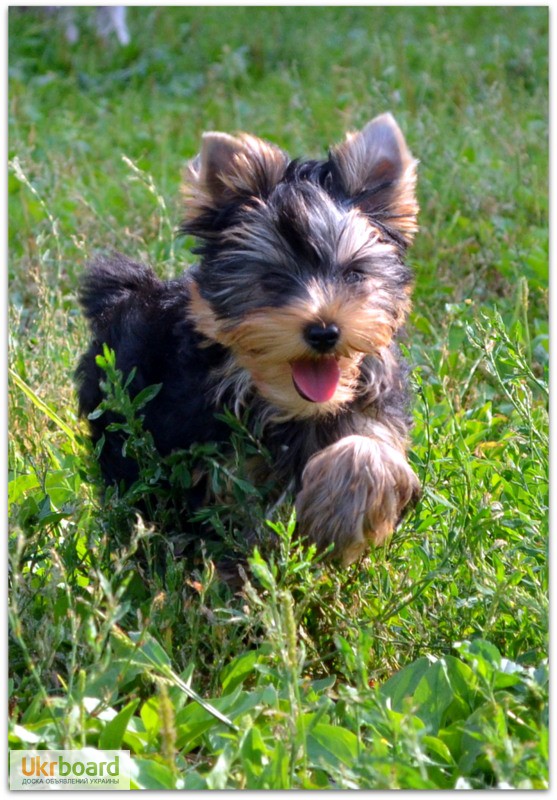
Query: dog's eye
354, 276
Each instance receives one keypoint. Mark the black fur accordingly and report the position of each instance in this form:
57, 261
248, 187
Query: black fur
143, 320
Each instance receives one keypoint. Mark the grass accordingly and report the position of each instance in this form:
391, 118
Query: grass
423, 666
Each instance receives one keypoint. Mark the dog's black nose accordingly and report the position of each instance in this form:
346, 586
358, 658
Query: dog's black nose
322, 337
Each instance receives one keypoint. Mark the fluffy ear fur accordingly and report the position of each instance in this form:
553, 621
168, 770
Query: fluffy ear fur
228, 169
378, 173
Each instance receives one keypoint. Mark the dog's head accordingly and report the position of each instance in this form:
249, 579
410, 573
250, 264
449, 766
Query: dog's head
301, 273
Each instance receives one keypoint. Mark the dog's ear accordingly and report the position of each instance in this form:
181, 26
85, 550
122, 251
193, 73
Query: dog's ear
377, 171
229, 169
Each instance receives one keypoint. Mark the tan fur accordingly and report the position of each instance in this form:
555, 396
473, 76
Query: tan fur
266, 342
201, 312
227, 167
364, 154
353, 493
255, 159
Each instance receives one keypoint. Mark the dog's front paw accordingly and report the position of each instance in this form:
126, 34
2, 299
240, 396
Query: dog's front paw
353, 494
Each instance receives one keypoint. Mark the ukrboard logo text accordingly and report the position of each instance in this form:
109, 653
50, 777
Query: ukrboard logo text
69, 769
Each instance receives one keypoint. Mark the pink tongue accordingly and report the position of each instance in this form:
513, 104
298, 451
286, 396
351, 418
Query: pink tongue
316, 380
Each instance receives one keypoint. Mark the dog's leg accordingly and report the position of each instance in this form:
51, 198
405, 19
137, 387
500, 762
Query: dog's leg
354, 492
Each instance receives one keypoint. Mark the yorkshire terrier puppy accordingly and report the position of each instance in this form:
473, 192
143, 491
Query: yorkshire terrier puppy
292, 312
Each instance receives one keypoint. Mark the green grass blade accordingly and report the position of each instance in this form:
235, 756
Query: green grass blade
42, 406
149, 653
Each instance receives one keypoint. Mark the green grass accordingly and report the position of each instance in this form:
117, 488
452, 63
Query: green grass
423, 666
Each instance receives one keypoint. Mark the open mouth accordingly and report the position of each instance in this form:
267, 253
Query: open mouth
316, 380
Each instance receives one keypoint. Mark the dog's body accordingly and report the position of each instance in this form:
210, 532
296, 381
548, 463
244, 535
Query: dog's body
292, 312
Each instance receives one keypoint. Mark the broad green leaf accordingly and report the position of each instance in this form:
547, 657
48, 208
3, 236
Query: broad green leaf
217, 779
254, 751
110, 676
142, 649
238, 670
146, 395
437, 747
403, 684
433, 695
193, 782
146, 773
261, 571
329, 744
150, 716
20, 485
321, 685
485, 723
113, 732
277, 772
435, 690
193, 721
481, 649
509, 674
452, 738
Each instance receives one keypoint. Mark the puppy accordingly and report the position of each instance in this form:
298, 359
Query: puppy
291, 314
